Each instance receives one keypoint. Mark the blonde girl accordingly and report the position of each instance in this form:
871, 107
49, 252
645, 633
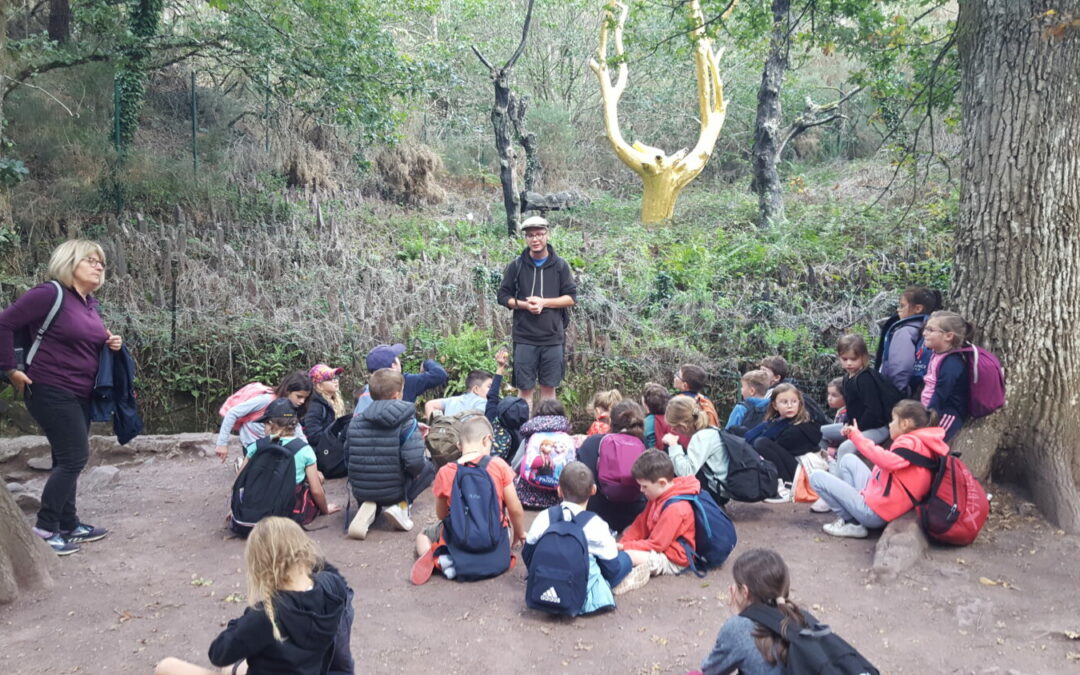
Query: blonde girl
602, 403
947, 386
321, 421
299, 613
704, 452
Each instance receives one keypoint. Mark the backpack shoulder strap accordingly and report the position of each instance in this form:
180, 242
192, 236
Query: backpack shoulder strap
583, 518
53, 311
770, 617
408, 431
916, 459
295, 445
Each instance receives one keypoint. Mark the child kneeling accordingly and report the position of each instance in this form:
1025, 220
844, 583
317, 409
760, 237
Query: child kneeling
659, 538
607, 564
432, 545
299, 613
862, 497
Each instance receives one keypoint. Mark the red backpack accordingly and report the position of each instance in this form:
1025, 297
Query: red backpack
245, 393
616, 457
957, 506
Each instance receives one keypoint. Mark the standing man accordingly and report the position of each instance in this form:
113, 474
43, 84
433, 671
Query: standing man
538, 287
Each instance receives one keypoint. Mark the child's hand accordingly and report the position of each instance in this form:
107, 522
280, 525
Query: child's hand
849, 429
519, 539
502, 357
222, 451
332, 508
670, 439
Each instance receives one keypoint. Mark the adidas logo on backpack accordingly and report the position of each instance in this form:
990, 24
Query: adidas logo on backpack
550, 596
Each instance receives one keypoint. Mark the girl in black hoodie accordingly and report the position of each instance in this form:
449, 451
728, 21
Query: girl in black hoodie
786, 433
299, 615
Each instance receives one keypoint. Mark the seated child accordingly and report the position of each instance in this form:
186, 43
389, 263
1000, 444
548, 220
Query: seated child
387, 467
620, 501
703, 454
431, 375
546, 447
749, 412
776, 367
868, 396
863, 497
743, 645
601, 404
475, 439
947, 389
477, 384
280, 423
505, 414
654, 398
785, 435
299, 613
689, 380
831, 437
658, 538
608, 565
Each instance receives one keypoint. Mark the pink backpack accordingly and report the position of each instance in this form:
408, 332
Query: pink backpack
617, 455
987, 380
245, 393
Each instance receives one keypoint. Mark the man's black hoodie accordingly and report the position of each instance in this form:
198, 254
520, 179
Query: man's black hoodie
523, 279
308, 620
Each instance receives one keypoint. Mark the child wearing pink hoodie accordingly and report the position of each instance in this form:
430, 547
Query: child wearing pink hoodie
863, 497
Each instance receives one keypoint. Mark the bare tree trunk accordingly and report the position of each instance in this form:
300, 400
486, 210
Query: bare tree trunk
1018, 237
25, 558
5, 71
767, 141
60, 20
534, 170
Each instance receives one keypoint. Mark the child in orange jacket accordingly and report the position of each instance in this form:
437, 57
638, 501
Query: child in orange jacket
865, 498
654, 539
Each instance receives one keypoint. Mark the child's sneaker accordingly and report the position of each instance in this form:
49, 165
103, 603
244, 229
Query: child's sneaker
398, 515
84, 533
365, 516
638, 577
423, 568
820, 506
842, 528
784, 494
56, 541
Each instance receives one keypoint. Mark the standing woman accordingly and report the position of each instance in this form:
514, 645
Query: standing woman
60, 380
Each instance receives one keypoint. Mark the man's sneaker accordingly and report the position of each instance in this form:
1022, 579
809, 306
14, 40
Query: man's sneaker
784, 494
56, 541
820, 506
398, 515
638, 577
364, 518
84, 533
842, 528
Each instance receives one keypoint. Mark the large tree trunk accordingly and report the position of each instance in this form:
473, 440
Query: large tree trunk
767, 142
25, 558
1018, 237
503, 126
60, 20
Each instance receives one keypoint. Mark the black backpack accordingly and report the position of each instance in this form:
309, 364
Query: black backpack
330, 449
266, 486
813, 649
750, 477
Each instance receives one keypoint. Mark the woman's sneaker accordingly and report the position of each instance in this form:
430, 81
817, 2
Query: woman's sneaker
57, 542
842, 528
85, 533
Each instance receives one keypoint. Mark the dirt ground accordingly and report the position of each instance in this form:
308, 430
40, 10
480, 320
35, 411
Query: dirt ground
167, 579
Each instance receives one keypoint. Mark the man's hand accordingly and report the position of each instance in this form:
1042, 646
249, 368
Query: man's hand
534, 304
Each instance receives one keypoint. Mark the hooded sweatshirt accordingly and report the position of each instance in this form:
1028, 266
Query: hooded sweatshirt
383, 449
659, 529
882, 493
523, 279
308, 622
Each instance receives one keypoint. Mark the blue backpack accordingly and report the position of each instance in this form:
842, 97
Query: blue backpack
475, 536
714, 533
558, 580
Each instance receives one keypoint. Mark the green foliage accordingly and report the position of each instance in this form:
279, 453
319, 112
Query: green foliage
12, 172
469, 349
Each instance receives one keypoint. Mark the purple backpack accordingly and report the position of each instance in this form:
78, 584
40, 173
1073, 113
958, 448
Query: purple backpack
617, 455
987, 380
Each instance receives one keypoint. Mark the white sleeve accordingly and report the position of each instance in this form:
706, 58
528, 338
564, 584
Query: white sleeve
601, 541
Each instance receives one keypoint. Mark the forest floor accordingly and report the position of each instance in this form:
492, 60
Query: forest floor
167, 580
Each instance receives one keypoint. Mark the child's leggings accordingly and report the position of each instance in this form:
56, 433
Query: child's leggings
842, 491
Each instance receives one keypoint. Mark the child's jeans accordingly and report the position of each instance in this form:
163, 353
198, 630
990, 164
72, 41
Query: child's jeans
842, 491
878, 435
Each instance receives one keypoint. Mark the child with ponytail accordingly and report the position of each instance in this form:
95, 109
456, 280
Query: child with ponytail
299, 613
703, 454
870, 497
761, 577
947, 386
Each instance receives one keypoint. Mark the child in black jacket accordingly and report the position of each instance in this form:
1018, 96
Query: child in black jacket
869, 396
299, 616
785, 435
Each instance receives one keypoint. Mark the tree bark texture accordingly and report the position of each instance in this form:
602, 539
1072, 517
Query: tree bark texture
767, 143
25, 558
1018, 238
60, 20
534, 170
503, 126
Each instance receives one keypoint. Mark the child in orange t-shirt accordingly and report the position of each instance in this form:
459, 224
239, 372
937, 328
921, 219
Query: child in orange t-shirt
475, 438
655, 537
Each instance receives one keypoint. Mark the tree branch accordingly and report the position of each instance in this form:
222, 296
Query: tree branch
524, 36
483, 60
